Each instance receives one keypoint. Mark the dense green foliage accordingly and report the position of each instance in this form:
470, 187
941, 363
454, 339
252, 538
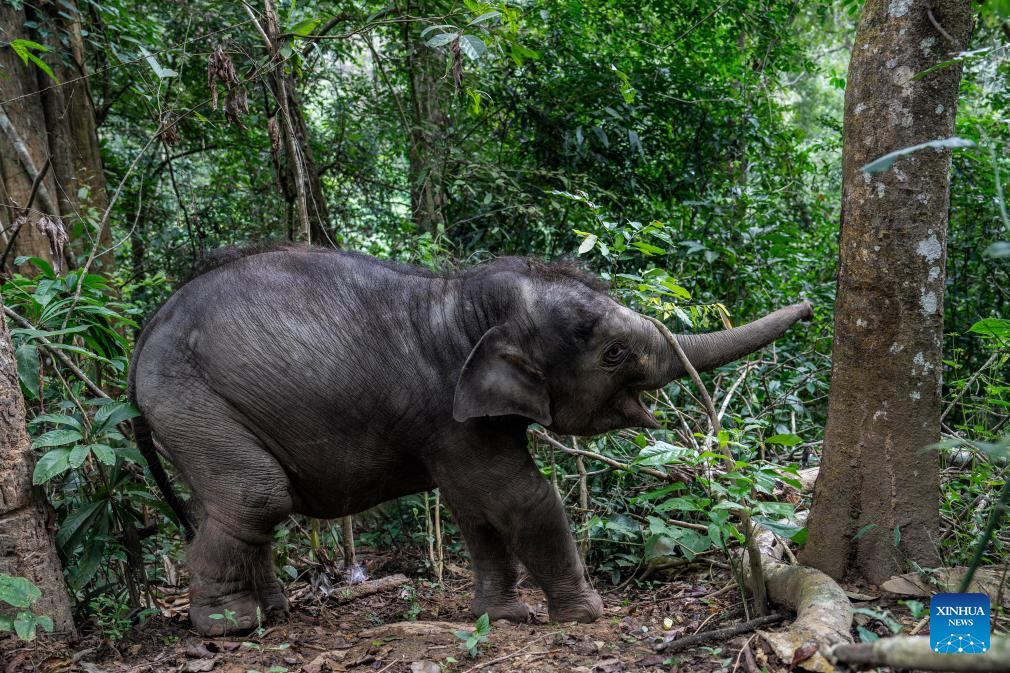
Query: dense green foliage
688, 151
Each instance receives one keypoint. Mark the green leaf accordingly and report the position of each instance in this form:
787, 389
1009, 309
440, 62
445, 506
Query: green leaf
27, 357
998, 249
441, 40
52, 464
159, 71
886, 161
57, 438
472, 46
897, 535
483, 624
57, 419
784, 440
792, 532
684, 504
24, 48
105, 454
112, 414
78, 455
647, 248
24, 625
863, 531
18, 592
992, 328
587, 244
487, 16
305, 27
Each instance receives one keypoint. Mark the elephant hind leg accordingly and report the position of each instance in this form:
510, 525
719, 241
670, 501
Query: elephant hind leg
244, 493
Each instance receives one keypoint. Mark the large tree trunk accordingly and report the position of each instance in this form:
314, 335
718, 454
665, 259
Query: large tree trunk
880, 475
44, 121
429, 125
27, 548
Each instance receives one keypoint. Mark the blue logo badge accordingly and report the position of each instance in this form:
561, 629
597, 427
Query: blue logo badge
959, 623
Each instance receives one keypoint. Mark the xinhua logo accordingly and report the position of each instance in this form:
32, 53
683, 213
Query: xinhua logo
959, 623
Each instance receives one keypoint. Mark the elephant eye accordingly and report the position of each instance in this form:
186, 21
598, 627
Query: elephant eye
615, 354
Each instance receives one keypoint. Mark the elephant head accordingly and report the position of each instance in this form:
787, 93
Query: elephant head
568, 356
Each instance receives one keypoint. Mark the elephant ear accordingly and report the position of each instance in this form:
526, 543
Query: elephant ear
498, 379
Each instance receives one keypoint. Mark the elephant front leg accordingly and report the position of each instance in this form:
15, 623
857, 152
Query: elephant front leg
496, 571
507, 491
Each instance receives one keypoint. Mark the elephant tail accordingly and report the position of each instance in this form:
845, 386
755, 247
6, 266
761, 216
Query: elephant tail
145, 442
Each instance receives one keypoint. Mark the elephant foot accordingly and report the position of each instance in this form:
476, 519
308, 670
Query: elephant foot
274, 603
513, 610
585, 607
230, 614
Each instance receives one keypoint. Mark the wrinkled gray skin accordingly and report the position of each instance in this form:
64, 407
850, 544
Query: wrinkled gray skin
323, 383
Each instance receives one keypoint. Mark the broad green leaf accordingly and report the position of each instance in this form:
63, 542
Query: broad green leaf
57, 419
112, 414
998, 249
886, 161
683, 504
78, 455
105, 454
54, 463
788, 531
441, 40
24, 625
305, 27
472, 46
992, 328
27, 357
784, 440
18, 592
75, 525
59, 437
483, 18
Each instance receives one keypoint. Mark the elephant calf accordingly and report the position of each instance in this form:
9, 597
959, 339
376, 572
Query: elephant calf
305, 380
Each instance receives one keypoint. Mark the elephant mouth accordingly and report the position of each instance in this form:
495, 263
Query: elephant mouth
637, 411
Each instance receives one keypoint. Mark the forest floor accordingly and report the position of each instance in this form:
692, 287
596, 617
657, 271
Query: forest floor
411, 629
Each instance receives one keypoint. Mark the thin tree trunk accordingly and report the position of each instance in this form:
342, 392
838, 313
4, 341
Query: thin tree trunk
429, 127
876, 501
49, 121
24, 144
299, 165
27, 548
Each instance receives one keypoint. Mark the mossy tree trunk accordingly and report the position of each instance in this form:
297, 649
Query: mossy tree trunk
27, 548
876, 501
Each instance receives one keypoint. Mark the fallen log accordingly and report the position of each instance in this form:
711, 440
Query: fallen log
915, 652
356, 591
823, 611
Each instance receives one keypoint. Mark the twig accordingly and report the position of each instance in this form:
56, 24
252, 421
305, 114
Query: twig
603, 459
754, 557
36, 185
347, 529
963, 390
936, 24
720, 634
51, 349
512, 655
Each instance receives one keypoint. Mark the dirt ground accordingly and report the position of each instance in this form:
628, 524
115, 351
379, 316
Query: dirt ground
411, 629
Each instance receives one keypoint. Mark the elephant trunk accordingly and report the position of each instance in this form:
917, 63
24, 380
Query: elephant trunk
708, 351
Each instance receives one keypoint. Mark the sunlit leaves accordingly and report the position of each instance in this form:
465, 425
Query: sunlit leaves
26, 49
